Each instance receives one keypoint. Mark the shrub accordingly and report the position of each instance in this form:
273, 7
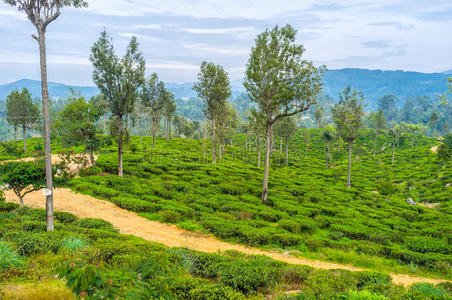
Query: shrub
364, 295
424, 244
215, 292
289, 225
7, 206
8, 257
90, 171
96, 224
73, 244
386, 188
170, 216
249, 276
29, 243
428, 291
64, 217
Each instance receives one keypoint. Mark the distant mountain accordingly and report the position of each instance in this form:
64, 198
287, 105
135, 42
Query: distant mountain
448, 72
373, 83
56, 90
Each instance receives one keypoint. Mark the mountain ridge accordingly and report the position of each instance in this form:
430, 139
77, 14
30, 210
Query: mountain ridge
373, 83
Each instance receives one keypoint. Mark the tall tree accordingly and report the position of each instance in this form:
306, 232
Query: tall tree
228, 122
168, 112
155, 95
433, 122
119, 80
257, 130
41, 13
22, 112
348, 114
378, 122
76, 126
280, 81
214, 88
318, 115
388, 104
396, 131
329, 134
286, 128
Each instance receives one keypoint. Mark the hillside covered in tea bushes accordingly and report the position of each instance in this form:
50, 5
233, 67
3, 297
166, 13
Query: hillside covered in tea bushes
310, 213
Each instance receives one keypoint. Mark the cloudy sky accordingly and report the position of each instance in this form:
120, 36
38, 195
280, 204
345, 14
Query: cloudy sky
177, 35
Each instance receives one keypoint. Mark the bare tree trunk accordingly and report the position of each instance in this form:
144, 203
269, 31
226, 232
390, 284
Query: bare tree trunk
214, 158
393, 150
280, 146
350, 148
25, 137
258, 153
375, 142
287, 151
204, 142
154, 129
268, 145
47, 146
219, 149
120, 168
15, 132
21, 199
140, 127
246, 141
327, 150
169, 129
306, 154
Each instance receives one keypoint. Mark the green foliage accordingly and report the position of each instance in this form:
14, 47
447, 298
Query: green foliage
8, 257
95, 224
73, 244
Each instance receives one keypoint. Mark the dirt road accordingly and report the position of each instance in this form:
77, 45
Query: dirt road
130, 223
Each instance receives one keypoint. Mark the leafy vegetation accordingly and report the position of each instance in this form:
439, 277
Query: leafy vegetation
310, 212
107, 264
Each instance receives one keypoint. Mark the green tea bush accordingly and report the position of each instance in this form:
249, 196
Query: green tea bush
363, 295
8, 257
95, 224
73, 244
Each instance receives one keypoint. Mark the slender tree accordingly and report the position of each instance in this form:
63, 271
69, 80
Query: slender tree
433, 122
318, 115
329, 134
286, 129
119, 80
396, 131
214, 88
378, 122
257, 130
76, 126
388, 104
348, 115
22, 112
280, 81
168, 112
154, 96
41, 13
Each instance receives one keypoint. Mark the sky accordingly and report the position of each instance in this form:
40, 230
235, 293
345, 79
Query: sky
177, 35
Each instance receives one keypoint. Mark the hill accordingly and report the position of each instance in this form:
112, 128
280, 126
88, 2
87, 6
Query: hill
373, 83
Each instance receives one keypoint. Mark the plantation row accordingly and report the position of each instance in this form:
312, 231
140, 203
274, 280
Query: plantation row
310, 209
98, 262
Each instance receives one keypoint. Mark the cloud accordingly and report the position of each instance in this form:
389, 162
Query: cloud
13, 14
172, 65
395, 24
217, 50
229, 30
143, 37
249, 9
382, 44
33, 58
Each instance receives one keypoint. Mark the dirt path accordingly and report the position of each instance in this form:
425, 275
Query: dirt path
130, 223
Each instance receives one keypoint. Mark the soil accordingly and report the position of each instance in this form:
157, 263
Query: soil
128, 222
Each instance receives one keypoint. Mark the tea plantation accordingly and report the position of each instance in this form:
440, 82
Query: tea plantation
99, 263
311, 213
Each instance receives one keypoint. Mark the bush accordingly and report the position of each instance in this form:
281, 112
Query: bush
170, 216
215, 292
364, 295
7, 206
65, 217
249, 276
29, 243
96, 224
90, 171
73, 244
428, 291
8, 257
424, 244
